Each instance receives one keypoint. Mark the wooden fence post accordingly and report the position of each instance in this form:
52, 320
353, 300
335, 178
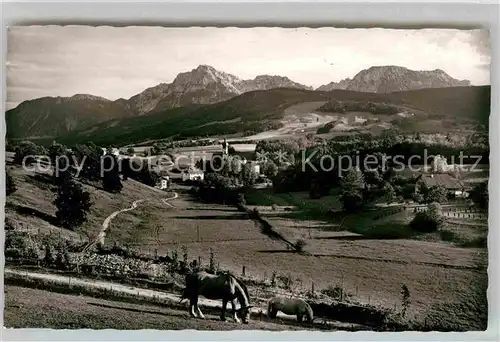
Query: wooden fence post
199, 261
243, 271
198, 233
312, 287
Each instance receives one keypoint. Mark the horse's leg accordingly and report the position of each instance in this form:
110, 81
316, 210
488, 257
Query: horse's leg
199, 314
272, 312
223, 313
235, 316
192, 302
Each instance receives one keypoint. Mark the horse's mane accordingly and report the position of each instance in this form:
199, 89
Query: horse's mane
243, 286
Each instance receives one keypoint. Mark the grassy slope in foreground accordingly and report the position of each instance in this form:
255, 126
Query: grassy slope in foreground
252, 111
33, 308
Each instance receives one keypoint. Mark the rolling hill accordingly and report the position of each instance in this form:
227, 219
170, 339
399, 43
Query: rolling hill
53, 116
50, 117
258, 111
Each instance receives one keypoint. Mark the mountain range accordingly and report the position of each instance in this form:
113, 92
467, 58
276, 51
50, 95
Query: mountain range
204, 85
388, 79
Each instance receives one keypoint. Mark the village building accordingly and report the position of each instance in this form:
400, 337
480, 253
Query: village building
163, 183
452, 184
192, 174
244, 156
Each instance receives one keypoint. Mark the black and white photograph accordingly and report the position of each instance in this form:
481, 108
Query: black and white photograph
258, 178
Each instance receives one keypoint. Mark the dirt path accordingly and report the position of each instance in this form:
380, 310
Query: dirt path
102, 233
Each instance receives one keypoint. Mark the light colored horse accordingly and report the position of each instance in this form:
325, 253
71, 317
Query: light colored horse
290, 306
223, 286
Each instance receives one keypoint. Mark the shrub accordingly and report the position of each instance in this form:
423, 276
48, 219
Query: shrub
424, 223
240, 200
299, 245
286, 281
273, 279
336, 292
49, 258
405, 301
22, 245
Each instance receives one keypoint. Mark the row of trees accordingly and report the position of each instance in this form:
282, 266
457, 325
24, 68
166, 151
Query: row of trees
310, 167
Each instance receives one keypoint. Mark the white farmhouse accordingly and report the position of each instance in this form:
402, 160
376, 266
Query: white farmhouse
192, 174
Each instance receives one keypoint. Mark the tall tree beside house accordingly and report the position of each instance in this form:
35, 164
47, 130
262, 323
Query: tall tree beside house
436, 193
111, 181
73, 203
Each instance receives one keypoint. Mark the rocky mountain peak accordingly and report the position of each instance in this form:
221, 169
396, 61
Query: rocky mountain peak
391, 78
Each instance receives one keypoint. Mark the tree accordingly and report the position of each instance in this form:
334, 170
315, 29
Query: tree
10, 186
73, 204
56, 150
436, 193
352, 201
439, 164
59, 157
428, 221
90, 155
354, 180
158, 148
352, 185
388, 193
269, 168
27, 150
111, 176
434, 212
248, 175
479, 195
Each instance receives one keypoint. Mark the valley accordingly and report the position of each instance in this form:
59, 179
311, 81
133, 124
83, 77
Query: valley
377, 248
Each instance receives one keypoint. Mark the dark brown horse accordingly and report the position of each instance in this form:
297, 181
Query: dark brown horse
223, 286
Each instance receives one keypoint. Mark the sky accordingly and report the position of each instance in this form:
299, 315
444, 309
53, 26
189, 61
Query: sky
119, 62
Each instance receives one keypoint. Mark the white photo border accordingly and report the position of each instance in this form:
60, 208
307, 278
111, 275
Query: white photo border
421, 14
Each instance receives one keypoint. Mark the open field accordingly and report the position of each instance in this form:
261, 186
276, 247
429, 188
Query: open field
372, 270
